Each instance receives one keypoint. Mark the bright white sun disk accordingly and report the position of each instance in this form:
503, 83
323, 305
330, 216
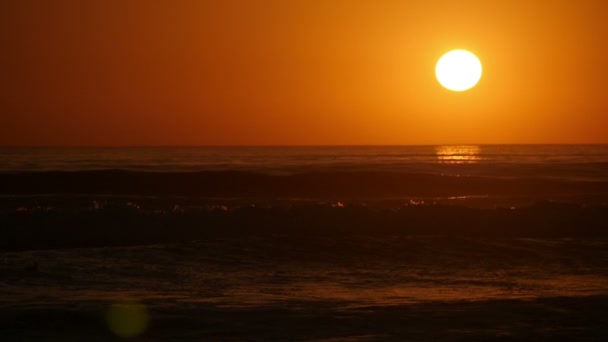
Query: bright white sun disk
458, 70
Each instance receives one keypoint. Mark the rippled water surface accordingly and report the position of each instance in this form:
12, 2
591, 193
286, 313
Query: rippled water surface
271, 271
498, 160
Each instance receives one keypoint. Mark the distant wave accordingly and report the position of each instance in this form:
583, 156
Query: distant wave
323, 185
570, 162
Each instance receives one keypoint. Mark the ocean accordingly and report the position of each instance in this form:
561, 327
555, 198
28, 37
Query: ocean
346, 243
565, 161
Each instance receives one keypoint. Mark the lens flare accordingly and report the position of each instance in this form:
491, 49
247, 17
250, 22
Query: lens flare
127, 320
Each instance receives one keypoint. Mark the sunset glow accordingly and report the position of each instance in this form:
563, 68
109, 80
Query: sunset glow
304, 170
100, 73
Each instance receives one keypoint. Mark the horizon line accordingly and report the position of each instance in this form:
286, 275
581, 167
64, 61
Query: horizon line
296, 145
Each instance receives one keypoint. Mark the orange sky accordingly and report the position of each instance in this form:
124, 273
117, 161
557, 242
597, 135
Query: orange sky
299, 72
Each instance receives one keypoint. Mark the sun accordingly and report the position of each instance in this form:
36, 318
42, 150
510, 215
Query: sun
458, 70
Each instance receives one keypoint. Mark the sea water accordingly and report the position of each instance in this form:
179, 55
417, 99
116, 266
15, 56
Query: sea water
569, 161
306, 243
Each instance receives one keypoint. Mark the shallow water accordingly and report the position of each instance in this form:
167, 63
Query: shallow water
270, 276
265, 271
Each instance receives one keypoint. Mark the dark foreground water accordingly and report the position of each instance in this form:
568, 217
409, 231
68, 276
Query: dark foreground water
304, 244
319, 288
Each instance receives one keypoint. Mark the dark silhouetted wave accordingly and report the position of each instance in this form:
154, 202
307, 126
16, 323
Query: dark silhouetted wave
323, 185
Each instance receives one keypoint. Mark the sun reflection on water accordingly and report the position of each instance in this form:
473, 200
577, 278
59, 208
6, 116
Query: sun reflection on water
458, 154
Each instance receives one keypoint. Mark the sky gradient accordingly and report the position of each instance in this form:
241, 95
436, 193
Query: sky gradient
116, 73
